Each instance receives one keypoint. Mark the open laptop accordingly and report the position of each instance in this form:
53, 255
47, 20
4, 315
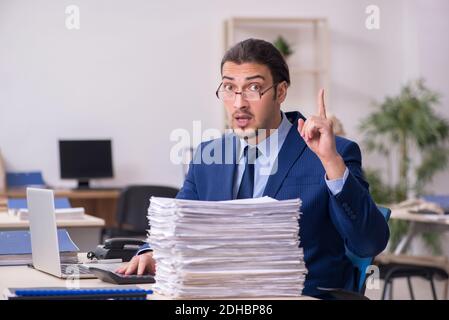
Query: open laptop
44, 238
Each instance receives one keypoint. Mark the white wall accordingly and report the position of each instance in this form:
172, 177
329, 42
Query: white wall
138, 69
429, 20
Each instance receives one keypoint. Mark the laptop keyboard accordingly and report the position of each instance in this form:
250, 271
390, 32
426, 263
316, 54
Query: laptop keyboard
73, 269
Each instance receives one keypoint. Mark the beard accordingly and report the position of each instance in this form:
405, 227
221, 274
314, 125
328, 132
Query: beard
242, 126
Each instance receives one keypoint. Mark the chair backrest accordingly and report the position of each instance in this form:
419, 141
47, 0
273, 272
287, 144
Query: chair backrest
23, 179
132, 208
361, 264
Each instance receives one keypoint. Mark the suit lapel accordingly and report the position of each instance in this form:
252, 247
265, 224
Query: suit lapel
292, 148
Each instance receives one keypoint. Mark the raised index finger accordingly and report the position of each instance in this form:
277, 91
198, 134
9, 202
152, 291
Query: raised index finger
321, 106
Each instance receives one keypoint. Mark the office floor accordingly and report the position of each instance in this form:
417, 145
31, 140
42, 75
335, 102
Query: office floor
421, 289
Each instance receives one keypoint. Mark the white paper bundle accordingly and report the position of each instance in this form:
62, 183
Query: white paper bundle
238, 248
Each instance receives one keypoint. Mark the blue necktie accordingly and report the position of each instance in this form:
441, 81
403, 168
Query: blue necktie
246, 188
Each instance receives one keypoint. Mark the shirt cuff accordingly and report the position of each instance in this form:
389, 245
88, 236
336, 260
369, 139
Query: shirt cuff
336, 185
143, 250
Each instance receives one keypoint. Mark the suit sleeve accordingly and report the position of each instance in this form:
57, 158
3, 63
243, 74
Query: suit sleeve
144, 248
189, 190
354, 212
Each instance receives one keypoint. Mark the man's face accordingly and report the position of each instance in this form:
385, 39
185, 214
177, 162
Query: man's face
245, 116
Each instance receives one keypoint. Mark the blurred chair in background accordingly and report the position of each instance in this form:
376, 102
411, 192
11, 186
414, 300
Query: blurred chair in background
132, 210
429, 268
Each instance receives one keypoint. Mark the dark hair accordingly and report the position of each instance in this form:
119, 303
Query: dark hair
261, 52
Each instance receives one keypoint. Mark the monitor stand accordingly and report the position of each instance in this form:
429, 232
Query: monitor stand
83, 184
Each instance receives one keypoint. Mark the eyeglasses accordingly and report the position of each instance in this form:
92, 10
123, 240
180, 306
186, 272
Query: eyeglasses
228, 94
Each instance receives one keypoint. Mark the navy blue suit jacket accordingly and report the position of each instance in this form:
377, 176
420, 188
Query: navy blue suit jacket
328, 222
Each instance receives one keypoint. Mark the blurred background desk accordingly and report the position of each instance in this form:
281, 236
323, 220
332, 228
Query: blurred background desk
399, 265
86, 232
101, 203
418, 223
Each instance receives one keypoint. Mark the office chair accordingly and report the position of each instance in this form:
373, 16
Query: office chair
402, 266
360, 265
23, 179
132, 210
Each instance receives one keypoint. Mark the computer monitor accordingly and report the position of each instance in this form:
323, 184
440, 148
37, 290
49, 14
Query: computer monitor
85, 159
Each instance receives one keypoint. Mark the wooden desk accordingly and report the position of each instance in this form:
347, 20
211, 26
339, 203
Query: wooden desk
100, 203
418, 223
85, 232
23, 276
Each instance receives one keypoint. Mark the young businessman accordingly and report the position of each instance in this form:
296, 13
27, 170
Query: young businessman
307, 161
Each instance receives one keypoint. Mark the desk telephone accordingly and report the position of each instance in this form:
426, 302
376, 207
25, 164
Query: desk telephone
116, 248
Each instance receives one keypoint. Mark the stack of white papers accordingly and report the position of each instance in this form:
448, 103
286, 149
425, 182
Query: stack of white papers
238, 248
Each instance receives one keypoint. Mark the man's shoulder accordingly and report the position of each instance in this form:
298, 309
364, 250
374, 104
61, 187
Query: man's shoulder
347, 147
344, 142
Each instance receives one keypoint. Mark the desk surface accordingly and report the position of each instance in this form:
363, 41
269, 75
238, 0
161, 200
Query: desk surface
23, 276
10, 222
404, 214
418, 223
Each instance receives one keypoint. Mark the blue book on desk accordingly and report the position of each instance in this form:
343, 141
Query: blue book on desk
15, 247
441, 200
62, 293
21, 203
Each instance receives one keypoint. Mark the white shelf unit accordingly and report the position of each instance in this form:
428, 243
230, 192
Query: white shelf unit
309, 63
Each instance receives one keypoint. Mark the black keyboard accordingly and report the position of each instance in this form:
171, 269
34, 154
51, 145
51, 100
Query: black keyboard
117, 278
71, 269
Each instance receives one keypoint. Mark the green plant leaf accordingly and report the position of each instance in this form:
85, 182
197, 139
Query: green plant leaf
400, 124
283, 46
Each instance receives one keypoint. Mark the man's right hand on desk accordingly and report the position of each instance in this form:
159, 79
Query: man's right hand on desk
143, 263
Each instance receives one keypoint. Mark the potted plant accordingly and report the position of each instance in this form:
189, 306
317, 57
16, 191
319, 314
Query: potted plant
404, 123
283, 46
